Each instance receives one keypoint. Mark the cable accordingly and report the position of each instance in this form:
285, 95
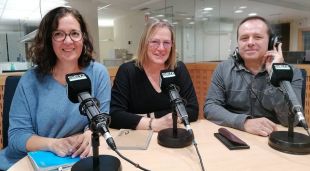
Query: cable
199, 156
254, 93
40, 8
251, 90
236, 63
131, 162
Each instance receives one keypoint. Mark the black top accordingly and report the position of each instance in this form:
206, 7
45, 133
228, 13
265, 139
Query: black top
133, 93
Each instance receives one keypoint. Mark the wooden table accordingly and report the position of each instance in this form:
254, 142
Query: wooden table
215, 155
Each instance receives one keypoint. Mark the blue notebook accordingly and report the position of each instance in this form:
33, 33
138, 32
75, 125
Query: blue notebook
45, 160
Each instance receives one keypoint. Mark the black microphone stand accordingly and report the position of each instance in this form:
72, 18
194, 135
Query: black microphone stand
96, 162
174, 137
290, 141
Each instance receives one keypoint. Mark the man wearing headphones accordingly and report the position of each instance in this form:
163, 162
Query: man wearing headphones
241, 95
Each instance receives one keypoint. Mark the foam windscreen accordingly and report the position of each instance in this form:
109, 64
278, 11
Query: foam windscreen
77, 83
167, 78
281, 72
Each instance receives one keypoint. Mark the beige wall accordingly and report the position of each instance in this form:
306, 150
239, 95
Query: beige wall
128, 28
88, 9
106, 42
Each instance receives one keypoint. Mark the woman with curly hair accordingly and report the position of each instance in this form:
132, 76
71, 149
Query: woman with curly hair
41, 115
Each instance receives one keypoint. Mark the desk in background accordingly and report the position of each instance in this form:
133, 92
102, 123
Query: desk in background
215, 155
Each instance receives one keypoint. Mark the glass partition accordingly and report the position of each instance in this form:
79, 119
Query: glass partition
205, 29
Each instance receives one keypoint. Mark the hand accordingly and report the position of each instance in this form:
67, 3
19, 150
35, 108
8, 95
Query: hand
162, 123
62, 146
273, 56
82, 145
259, 126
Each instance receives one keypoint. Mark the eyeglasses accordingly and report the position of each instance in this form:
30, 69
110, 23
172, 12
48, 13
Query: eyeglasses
60, 36
156, 43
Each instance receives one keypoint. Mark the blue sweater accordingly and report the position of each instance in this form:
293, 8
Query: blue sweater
41, 107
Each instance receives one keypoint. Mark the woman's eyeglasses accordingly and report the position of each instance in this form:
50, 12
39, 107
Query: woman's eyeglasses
156, 43
60, 36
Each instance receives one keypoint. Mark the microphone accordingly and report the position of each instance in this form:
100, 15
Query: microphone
281, 75
79, 90
167, 83
186, 137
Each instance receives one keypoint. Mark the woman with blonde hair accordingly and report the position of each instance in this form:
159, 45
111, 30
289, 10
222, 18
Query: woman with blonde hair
137, 101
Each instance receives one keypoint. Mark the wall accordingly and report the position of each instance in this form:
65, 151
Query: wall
106, 42
200, 42
214, 40
88, 9
297, 25
294, 36
128, 28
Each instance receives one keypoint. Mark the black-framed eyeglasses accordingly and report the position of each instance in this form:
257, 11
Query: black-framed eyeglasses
156, 43
60, 36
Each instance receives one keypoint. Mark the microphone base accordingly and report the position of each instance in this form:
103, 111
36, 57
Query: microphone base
182, 139
297, 144
106, 163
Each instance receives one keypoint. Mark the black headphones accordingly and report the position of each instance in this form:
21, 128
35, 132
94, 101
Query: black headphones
274, 40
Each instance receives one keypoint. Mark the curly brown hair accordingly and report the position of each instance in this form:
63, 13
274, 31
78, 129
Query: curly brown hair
41, 51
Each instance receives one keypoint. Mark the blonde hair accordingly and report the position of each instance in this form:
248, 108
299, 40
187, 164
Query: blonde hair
149, 29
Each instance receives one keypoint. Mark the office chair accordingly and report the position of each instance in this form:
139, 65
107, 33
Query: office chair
9, 90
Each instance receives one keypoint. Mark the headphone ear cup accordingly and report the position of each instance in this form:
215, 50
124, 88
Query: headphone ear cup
273, 41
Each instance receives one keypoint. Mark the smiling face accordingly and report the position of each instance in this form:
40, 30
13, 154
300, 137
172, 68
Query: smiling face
253, 40
159, 46
68, 51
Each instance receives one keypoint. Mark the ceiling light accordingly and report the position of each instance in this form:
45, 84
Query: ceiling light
15, 15
188, 18
208, 9
182, 13
160, 15
242, 7
106, 6
28, 11
192, 22
105, 23
252, 14
238, 11
175, 23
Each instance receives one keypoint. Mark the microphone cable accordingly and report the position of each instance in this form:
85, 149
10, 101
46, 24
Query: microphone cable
110, 143
131, 162
194, 142
199, 156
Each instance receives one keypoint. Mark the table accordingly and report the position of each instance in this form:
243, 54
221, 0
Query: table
215, 155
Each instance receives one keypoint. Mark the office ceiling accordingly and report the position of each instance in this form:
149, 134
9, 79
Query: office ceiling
28, 11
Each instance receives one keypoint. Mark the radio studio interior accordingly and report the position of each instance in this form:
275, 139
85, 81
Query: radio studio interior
205, 35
